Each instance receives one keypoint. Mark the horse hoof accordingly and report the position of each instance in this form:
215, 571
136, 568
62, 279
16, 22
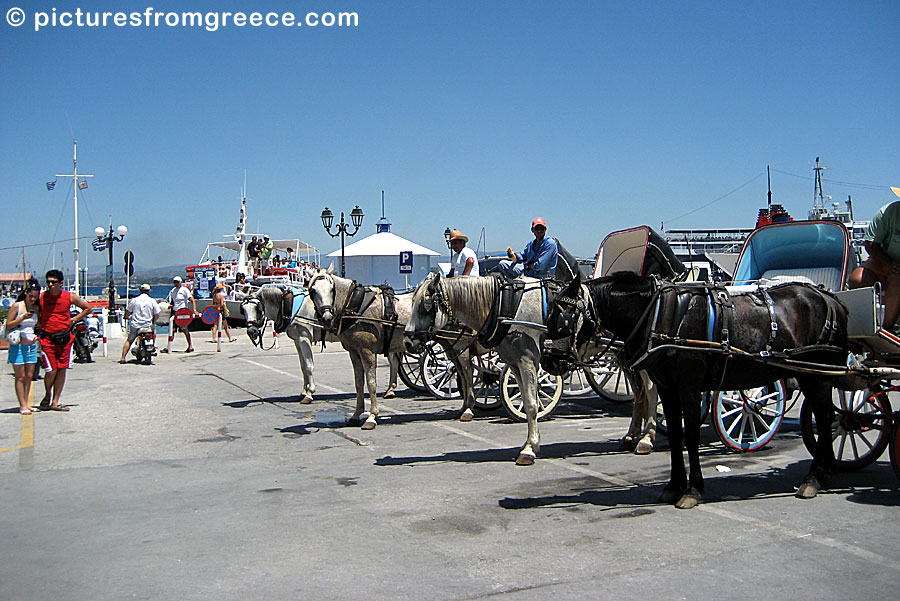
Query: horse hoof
643, 448
688, 500
369, 424
305, 400
466, 416
807, 490
525, 458
353, 421
389, 394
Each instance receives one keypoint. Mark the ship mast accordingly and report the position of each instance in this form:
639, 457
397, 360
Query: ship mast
74, 176
819, 209
241, 233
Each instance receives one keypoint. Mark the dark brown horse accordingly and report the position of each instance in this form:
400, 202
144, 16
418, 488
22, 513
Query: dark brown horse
693, 338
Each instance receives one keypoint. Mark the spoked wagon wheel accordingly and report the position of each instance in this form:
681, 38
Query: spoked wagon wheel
608, 380
578, 382
860, 429
487, 371
438, 373
549, 392
746, 420
895, 445
411, 372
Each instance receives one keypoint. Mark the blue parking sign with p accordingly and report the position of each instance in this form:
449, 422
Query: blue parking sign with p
406, 261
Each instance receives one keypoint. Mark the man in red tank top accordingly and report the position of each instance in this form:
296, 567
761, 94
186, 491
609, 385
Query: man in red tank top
55, 324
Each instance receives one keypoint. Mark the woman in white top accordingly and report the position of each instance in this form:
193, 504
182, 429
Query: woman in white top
23, 317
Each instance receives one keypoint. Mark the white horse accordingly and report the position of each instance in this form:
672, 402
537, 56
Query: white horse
439, 300
366, 334
268, 303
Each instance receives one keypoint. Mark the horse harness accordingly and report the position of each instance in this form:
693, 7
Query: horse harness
358, 300
673, 301
506, 304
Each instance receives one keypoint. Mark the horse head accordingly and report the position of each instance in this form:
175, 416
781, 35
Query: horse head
322, 292
428, 312
568, 310
254, 315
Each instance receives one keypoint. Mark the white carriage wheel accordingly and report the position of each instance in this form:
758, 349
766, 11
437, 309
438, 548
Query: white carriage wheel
487, 372
746, 420
609, 381
411, 371
549, 392
577, 382
439, 375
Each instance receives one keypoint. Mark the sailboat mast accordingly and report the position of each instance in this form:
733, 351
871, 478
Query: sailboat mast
74, 176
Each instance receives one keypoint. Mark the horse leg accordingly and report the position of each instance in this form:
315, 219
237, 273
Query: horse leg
394, 362
637, 412
526, 376
677, 477
369, 361
648, 431
358, 381
305, 354
690, 407
819, 394
463, 364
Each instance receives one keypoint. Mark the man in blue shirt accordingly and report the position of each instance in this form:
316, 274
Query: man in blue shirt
538, 260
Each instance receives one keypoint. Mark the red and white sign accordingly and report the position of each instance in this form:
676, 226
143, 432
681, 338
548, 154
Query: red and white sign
183, 317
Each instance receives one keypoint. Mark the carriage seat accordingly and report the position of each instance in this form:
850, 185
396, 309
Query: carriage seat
829, 277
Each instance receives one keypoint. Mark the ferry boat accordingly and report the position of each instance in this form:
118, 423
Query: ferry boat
713, 253
223, 260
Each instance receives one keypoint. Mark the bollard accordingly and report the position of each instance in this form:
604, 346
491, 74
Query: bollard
171, 332
104, 315
275, 336
219, 335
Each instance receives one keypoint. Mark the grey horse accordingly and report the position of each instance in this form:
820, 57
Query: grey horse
439, 300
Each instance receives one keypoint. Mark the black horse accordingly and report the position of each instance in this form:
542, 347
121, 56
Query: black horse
693, 337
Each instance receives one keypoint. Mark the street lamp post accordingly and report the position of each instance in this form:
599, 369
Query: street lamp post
447, 234
109, 238
356, 216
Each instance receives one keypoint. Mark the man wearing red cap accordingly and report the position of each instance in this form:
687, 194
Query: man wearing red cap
538, 260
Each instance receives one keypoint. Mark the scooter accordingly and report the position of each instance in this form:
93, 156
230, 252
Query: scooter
82, 344
144, 346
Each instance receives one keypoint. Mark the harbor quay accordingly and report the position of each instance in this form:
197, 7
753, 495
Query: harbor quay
201, 477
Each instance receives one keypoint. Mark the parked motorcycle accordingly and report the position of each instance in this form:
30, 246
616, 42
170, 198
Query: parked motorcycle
144, 346
84, 342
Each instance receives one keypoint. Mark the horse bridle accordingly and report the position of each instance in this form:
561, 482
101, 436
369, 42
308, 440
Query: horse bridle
260, 310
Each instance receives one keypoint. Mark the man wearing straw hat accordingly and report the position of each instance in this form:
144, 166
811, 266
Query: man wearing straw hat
463, 261
883, 265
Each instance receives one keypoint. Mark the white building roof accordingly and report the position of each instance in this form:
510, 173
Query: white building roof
383, 244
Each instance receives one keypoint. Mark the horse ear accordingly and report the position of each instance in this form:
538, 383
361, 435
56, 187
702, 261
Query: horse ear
330, 268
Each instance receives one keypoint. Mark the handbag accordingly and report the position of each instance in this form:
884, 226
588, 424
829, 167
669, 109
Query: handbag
13, 336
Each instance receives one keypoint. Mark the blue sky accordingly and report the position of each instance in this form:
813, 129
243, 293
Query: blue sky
596, 115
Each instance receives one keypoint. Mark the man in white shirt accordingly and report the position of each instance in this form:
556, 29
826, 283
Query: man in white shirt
178, 298
463, 261
141, 312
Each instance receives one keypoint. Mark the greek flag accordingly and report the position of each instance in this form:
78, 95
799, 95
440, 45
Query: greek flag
82, 185
99, 244
51, 185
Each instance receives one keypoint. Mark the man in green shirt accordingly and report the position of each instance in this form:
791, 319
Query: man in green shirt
883, 264
265, 252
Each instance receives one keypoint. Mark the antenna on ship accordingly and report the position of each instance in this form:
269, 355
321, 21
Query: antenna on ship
769, 179
819, 209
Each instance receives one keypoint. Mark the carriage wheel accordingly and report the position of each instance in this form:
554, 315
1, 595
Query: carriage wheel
860, 429
411, 373
661, 417
895, 446
487, 371
439, 375
578, 382
608, 380
549, 392
746, 420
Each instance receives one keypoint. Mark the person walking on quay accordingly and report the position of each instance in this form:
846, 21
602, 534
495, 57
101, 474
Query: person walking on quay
538, 260
178, 298
218, 300
55, 331
141, 312
22, 318
463, 261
